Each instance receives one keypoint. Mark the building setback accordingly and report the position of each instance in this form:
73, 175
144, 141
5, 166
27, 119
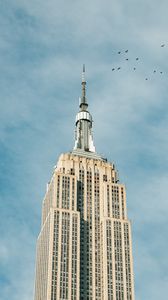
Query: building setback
84, 249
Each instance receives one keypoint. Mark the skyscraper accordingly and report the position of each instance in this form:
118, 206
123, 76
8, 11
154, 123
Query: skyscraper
84, 249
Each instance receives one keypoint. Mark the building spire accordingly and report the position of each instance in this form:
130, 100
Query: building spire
83, 138
83, 100
83, 74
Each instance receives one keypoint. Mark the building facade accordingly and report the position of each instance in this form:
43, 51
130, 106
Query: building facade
84, 249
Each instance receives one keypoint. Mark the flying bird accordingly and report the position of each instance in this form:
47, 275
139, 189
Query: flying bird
137, 59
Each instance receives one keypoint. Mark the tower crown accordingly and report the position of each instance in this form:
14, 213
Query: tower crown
83, 132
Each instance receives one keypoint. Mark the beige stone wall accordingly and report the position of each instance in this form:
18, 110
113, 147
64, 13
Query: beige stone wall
89, 205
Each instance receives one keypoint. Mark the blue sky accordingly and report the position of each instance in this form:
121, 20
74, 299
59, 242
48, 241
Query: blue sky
43, 45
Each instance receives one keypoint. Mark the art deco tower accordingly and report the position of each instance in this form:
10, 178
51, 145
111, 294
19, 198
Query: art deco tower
84, 249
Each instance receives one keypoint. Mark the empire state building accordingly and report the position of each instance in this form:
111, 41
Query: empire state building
84, 249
